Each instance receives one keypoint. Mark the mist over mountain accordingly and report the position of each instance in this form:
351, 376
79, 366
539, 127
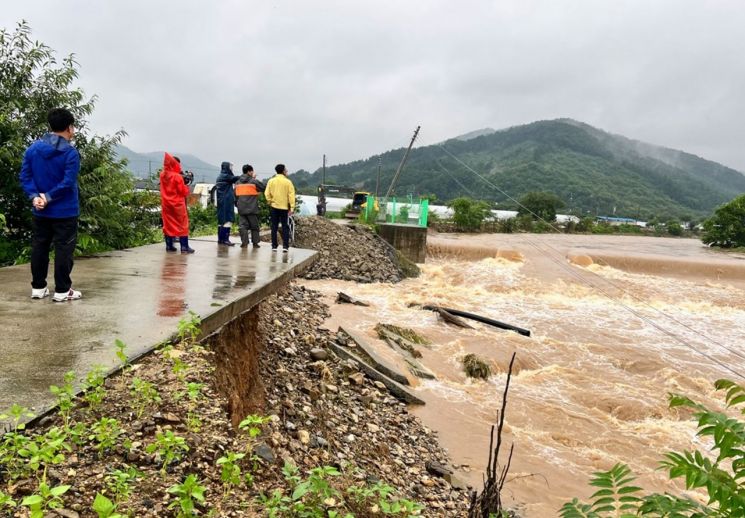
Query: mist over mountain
593, 171
143, 165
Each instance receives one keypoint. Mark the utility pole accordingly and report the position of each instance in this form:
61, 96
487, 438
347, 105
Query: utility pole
392, 187
149, 168
323, 181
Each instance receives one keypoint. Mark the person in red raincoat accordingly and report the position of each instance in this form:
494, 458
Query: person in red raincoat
173, 193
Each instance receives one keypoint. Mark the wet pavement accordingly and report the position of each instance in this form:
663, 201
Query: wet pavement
138, 296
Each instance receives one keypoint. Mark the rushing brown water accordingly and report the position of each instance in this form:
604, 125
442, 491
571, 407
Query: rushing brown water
591, 383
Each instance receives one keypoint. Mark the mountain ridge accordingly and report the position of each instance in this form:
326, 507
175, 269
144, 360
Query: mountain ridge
592, 170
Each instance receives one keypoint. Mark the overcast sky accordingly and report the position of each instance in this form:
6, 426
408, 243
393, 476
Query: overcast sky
287, 81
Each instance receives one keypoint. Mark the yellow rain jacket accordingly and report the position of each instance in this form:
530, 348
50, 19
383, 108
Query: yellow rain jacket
280, 193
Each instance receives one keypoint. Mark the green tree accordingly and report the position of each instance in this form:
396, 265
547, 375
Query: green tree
469, 214
32, 82
726, 228
540, 205
674, 228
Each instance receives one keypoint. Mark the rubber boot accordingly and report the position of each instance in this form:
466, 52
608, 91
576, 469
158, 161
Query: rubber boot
226, 240
185, 249
244, 237
169, 244
220, 235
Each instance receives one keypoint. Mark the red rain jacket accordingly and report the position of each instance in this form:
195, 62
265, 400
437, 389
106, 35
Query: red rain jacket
173, 193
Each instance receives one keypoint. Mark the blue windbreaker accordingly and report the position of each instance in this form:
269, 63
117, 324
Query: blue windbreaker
51, 166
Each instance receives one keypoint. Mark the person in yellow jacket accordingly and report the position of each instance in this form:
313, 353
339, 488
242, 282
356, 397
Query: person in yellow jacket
280, 195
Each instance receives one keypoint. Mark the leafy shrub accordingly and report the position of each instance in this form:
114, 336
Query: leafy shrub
202, 221
674, 228
469, 214
540, 205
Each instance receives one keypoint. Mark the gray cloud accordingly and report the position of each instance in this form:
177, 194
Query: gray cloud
287, 81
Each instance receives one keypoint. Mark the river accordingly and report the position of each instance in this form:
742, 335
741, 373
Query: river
617, 323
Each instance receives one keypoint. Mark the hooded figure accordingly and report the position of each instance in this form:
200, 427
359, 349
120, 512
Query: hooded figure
225, 202
173, 193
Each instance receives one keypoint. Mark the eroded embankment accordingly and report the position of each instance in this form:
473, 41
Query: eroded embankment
174, 413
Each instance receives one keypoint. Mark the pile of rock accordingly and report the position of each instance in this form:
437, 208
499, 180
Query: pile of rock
348, 252
325, 411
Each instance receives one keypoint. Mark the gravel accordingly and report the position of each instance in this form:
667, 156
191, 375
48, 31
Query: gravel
351, 252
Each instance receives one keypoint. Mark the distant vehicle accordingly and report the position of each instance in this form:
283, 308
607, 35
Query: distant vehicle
359, 199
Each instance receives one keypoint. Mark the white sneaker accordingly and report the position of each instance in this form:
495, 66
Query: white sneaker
40, 293
70, 295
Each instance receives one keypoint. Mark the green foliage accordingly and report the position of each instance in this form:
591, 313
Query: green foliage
469, 214
32, 82
586, 224
144, 395
189, 328
179, 368
93, 385
169, 447
252, 425
202, 220
16, 414
626, 228
231, 470
616, 496
403, 214
317, 496
104, 507
65, 395
194, 390
309, 498
188, 494
721, 474
674, 228
726, 228
120, 354
120, 483
45, 450
540, 205
12, 463
45, 498
6, 502
106, 431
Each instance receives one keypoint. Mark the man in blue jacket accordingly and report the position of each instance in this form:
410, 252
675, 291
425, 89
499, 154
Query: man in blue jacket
49, 177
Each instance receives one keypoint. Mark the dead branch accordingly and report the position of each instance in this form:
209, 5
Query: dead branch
489, 501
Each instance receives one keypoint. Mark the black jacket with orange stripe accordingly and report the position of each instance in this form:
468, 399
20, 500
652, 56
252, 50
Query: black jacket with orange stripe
247, 192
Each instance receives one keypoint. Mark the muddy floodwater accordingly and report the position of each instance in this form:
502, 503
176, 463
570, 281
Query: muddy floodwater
617, 323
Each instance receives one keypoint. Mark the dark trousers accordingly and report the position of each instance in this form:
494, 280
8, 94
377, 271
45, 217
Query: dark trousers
63, 232
278, 216
249, 222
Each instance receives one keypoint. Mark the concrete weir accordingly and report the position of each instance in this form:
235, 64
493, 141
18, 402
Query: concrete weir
138, 296
410, 240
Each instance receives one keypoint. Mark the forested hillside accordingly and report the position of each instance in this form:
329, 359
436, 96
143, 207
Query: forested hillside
591, 170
